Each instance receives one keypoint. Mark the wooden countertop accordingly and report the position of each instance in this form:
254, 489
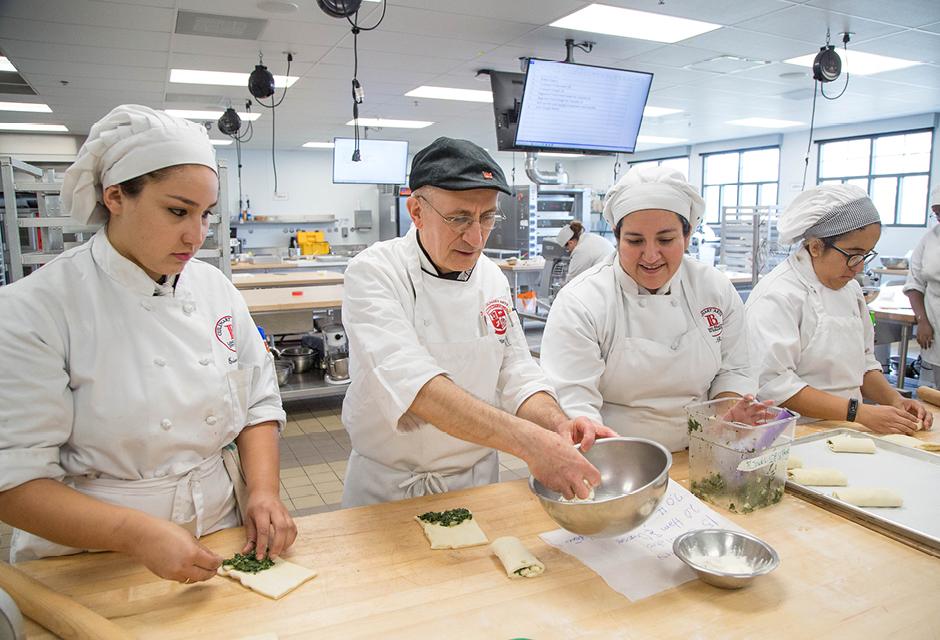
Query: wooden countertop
521, 265
288, 264
892, 305
303, 278
891, 272
285, 298
378, 578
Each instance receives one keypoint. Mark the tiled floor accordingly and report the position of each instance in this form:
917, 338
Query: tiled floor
314, 451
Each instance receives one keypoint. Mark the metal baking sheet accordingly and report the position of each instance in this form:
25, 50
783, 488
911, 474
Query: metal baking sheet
912, 473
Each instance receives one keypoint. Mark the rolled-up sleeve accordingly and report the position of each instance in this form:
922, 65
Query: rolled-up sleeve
571, 357
916, 280
383, 341
520, 376
264, 396
35, 398
775, 345
736, 374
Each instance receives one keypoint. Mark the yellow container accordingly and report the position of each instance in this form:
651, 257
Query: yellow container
312, 243
310, 236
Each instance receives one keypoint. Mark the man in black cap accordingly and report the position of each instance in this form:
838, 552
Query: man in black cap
441, 372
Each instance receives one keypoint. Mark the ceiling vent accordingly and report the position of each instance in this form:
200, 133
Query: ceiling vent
726, 64
207, 24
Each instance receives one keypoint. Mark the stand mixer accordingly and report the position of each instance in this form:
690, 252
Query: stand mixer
336, 354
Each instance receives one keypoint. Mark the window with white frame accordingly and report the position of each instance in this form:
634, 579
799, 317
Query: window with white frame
894, 168
746, 177
679, 163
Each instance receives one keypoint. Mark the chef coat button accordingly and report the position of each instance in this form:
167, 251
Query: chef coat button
211, 420
642, 303
204, 361
147, 306
160, 362
674, 302
165, 424
188, 308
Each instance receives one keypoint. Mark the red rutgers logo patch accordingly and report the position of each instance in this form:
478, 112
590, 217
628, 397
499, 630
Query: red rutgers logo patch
713, 320
498, 313
225, 332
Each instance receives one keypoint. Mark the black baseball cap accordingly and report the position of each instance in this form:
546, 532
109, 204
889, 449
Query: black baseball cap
456, 165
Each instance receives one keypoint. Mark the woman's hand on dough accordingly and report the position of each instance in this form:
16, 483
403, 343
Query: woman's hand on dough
882, 418
171, 552
268, 527
918, 410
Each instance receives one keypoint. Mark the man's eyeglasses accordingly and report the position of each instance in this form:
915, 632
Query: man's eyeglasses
461, 223
855, 259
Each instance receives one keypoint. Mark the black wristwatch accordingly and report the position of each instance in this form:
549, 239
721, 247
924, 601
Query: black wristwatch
853, 410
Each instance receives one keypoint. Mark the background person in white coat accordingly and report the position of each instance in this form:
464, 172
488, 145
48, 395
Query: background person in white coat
811, 334
923, 289
128, 366
587, 249
441, 372
642, 336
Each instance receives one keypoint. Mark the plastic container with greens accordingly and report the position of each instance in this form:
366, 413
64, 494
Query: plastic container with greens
740, 467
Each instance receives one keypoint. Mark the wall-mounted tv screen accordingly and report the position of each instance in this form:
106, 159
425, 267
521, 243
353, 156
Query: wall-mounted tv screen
576, 107
381, 161
507, 97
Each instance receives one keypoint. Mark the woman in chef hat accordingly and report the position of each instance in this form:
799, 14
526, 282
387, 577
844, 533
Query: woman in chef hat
923, 289
129, 367
635, 340
586, 249
811, 335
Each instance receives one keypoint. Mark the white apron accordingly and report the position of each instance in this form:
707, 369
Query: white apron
201, 501
648, 381
375, 472
930, 272
834, 358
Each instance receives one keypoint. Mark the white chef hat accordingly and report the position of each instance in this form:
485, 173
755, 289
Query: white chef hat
566, 234
935, 195
651, 187
825, 211
128, 142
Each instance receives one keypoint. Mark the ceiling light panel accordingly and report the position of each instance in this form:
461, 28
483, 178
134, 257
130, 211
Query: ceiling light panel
392, 124
859, 62
226, 78
764, 123
191, 114
220, 143
32, 107
659, 140
32, 126
6, 65
450, 93
629, 23
657, 112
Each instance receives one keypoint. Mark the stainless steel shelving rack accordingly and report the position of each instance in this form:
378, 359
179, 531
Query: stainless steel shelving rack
35, 229
749, 241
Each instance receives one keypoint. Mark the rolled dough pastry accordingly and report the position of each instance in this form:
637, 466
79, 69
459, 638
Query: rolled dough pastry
868, 497
848, 444
818, 477
517, 560
794, 463
275, 582
899, 438
466, 534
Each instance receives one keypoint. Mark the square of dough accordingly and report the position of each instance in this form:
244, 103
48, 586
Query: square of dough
275, 582
466, 534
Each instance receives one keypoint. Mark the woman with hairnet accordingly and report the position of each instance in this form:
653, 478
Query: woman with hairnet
811, 335
136, 366
587, 249
923, 289
645, 334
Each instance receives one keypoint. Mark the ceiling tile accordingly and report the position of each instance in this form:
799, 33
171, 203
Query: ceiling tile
913, 14
810, 24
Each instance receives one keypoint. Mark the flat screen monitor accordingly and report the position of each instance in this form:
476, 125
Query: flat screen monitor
507, 96
576, 107
381, 161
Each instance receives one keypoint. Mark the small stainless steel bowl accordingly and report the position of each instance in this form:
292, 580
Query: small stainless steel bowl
634, 476
694, 547
889, 262
301, 357
283, 369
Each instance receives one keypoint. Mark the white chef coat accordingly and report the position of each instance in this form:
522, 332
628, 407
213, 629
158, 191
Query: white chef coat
924, 276
591, 249
633, 360
406, 326
803, 333
124, 395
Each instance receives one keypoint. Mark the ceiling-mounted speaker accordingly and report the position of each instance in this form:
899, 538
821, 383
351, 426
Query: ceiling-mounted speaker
230, 122
828, 65
339, 8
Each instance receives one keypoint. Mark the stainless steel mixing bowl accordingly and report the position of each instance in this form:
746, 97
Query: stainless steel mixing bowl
696, 548
301, 357
634, 475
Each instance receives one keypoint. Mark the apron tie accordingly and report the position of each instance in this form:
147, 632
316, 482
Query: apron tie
423, 483
188, 492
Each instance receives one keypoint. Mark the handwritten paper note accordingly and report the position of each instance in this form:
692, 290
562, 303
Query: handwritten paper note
640, 563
